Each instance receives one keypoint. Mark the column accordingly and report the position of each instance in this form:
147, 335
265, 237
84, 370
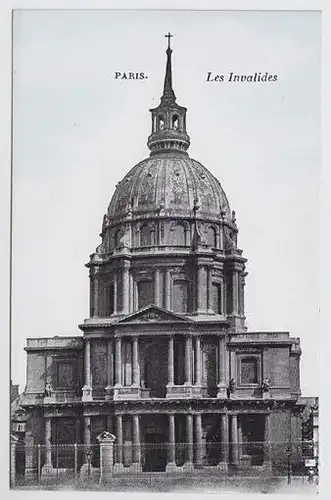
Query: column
87, 363
235, 291
118, 361
115, 293
126, 288
87, 389
172, 443
135, 362
189, 438
234, 438
157, 287
119, 440
198, 361
95, 297
200, 289
131, 302
171, 373
198, 438
188, 359
222, 368
267, 436
110, 365
48, 445
167, 289
224, 439
210, 289
136, 440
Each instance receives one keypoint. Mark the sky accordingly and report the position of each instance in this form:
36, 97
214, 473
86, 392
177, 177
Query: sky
78, 130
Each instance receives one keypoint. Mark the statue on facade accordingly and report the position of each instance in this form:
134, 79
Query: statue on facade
48, 390
231, 387
266, 385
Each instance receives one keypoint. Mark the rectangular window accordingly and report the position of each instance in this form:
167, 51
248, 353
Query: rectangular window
249, 370
65, 374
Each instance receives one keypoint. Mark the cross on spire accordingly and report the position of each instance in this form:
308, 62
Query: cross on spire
169, 36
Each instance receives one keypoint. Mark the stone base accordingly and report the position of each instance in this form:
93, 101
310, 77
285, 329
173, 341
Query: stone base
223, 466
127, 392
109, 393
188, 467
87, 393
180, 391
171, 467
135, 467
48, 470
118, 468
222, 392
266, 395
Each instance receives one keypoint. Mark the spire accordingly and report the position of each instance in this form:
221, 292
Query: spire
168, 119
168, 93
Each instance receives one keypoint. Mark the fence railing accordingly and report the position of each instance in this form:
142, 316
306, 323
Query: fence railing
74, 463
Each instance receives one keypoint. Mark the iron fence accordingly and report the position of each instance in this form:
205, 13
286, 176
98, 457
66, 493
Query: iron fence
80, 464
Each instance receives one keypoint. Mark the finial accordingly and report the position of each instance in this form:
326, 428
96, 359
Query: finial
168, 93
169, 36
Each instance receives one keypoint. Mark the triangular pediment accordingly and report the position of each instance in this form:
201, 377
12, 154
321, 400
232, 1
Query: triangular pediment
154, 314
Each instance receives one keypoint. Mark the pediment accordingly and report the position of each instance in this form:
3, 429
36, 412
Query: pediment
154, 314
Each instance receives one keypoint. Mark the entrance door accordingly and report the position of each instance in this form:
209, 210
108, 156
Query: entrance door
252, 429
155, 453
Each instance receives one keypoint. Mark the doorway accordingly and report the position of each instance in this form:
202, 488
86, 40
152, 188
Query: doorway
252, 435
155, 456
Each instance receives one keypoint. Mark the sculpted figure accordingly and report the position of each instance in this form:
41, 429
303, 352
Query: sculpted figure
48, 390
266, 385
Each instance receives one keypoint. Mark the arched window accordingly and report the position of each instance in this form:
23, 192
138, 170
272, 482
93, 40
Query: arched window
160, 122
146, 235
211, 237
249, 370
175, 122
217, 298
180, 289
145, 293
178, 235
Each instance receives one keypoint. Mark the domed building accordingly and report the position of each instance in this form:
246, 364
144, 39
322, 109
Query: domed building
165, 362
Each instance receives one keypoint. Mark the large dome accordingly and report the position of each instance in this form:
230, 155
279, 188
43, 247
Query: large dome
173, 183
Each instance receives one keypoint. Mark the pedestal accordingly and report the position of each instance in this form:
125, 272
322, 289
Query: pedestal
127, 392
180, 391
222, 392
87, 393
109, 393
106, 440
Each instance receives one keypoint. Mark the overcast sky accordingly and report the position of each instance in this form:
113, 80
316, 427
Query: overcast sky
77, 131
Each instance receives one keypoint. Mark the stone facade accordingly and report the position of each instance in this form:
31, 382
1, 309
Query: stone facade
165, 357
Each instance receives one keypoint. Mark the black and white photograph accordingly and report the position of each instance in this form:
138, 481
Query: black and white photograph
165, 251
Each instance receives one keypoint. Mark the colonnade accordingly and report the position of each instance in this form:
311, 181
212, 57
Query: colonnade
194, 438
193, 370
124, 296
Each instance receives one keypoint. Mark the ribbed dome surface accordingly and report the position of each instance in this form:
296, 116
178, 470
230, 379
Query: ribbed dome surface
173, 183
